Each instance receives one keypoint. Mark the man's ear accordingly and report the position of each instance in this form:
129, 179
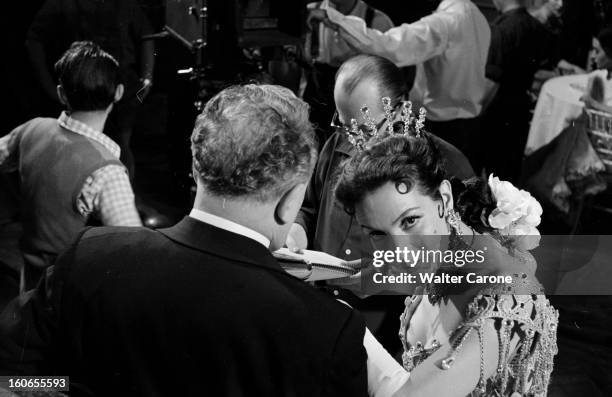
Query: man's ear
119, 92
289, 204
446, 192
61, 94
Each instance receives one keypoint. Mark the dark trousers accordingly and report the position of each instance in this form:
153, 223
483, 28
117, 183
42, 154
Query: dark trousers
503, 139
461, 133
507, 164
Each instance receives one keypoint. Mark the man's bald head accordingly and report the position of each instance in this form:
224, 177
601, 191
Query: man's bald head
364, 80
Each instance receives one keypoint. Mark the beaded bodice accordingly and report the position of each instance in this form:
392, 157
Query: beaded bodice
524, 367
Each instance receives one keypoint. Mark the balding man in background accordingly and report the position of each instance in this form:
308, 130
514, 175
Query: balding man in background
449, 48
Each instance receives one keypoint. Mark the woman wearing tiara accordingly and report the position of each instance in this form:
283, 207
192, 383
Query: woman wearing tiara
485, 339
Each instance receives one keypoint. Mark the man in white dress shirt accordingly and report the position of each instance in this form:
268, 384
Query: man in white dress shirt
449, 48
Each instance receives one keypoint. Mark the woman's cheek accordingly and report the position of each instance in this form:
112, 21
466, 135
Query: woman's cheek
436, 227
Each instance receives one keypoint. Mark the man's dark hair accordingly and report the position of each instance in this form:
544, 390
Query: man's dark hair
89, 76
253, 141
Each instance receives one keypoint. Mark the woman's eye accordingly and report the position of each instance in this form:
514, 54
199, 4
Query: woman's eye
376, 235
409, 222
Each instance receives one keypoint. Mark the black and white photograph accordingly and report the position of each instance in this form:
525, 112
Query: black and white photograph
282, 198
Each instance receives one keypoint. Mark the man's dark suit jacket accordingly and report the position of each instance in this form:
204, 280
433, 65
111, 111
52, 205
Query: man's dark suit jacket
185, 311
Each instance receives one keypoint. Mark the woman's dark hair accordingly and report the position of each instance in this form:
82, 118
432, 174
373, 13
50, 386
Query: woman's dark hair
605, 40
474, 202
89, 76
380, 71
411, 162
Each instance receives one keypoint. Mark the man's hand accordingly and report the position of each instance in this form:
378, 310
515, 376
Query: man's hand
297, 240
566, 68
353, 283
320, 16
316, 16
591, 103
543, 74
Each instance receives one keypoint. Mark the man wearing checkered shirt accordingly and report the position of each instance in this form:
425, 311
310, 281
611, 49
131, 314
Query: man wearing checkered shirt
70, 171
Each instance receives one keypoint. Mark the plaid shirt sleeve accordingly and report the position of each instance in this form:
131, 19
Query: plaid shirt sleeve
107, 193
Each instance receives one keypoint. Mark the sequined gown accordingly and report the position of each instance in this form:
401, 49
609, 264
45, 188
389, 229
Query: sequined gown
526, 319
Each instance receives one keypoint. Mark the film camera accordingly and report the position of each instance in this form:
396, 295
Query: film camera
230, 41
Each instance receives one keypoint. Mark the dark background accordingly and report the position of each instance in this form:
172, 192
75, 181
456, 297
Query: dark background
581, 20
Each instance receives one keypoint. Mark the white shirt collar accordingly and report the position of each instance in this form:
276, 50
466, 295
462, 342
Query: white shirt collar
230, 226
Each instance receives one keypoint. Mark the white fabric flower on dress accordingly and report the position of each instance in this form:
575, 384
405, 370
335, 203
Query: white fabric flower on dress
517, 214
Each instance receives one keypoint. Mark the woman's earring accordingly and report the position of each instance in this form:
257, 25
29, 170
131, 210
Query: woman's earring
453, 219
440, 211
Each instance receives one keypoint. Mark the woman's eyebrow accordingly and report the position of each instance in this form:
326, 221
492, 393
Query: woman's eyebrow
404, 213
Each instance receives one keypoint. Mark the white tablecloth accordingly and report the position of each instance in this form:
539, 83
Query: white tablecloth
558, 104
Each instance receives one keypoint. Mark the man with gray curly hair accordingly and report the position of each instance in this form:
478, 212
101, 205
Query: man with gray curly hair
202, 307
253, 153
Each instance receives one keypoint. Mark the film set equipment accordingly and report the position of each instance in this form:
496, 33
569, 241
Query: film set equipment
235, 41
231, 39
